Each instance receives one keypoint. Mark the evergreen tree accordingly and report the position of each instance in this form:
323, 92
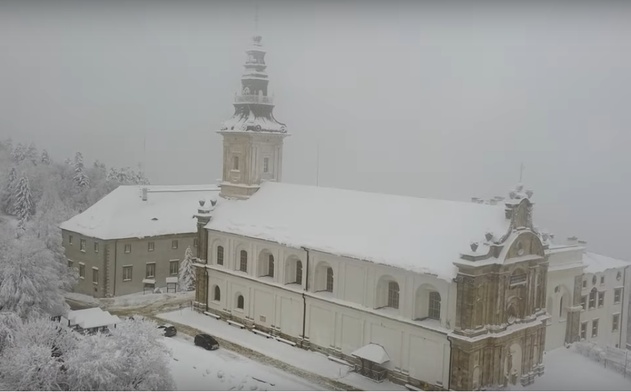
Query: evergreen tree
80, 178
24, 207
45, 159
19, 153
187, 271
32, 154
8, 193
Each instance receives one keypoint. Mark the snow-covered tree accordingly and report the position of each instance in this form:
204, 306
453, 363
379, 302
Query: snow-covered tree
45, 158
19, 153
187, 271
132, 358
9, 191
80, 178
31, 284
34, 359
51, 211
127, 176
32, 154
23, 201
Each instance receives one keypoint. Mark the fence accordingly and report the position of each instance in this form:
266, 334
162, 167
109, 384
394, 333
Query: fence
614, 358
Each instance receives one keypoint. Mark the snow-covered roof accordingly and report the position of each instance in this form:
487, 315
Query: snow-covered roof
372, 352
422, 235
99, 320
598, 263
123, 213
76, 316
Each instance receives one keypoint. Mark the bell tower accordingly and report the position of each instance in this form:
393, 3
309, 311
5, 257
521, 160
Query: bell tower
252, 138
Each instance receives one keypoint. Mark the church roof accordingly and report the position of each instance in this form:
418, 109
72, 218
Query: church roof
421, 235
123, 213
598, 263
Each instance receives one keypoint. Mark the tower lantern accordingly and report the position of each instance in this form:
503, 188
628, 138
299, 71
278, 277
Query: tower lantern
252, 138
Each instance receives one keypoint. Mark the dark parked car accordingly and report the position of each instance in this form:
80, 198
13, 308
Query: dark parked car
206, 341
169, 330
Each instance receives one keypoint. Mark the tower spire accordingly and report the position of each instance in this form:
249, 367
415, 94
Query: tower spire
256, 18
252, 137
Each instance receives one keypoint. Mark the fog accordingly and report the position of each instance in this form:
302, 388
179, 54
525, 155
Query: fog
421, 99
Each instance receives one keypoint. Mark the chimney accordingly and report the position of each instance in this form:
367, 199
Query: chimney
144, 194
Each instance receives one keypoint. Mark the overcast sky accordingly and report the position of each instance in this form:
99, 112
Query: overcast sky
413, 98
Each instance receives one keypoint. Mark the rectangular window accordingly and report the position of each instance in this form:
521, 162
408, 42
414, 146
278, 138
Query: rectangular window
265, 165
584, 331
434, 305
174, 267
95, 275
601, 299
96, 247
617, 295
235, 163
220, 255
82, 245
594, 328
584, 283
615, 322
70, 239
602, 279
69, 263
195, 242
174, 244
243, 261
592, 299
151, 246
127, 248
150, 272
82, 270
127, 271
584, 302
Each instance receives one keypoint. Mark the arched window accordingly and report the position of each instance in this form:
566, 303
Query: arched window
299, 272
217, 294
220, 255
323, 277
240, 302
270, 266
434, 305
393, 294
243, 261
329, 279
561, 307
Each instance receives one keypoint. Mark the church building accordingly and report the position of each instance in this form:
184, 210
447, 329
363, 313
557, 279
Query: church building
431, 293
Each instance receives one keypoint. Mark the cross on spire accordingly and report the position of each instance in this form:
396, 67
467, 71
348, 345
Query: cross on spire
521, 171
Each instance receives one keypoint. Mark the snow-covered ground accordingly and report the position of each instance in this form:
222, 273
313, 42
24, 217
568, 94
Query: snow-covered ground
567, 370
310, 361
196, 369
136, 300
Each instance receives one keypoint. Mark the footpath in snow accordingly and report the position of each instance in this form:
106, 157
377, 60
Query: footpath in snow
309, 361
